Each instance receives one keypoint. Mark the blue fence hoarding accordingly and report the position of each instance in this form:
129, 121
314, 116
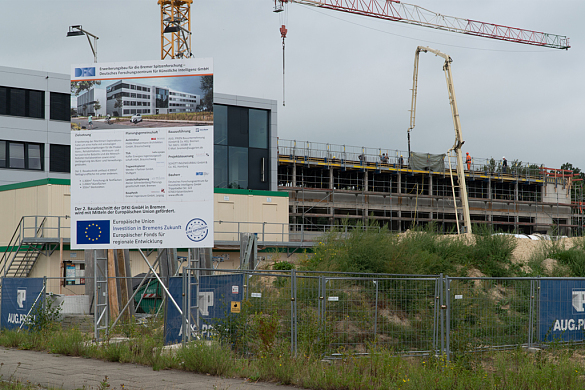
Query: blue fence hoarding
562, 310
216, 295
18, 297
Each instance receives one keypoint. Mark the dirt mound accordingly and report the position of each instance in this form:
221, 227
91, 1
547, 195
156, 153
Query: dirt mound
526, 248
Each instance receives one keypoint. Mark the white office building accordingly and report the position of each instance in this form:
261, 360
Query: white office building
86, 103
35, 127
126, 98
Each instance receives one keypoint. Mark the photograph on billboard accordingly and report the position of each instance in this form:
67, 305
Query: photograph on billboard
142, 154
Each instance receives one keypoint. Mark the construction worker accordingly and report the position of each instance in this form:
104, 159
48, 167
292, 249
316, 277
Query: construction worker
400, 161
504, 164
468, 161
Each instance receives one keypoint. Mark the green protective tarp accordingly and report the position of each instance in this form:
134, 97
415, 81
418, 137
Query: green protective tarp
427, 161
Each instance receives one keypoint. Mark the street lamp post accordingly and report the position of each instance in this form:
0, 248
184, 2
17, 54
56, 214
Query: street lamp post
78, 30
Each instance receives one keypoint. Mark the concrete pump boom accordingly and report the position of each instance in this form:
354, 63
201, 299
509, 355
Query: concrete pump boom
456, 123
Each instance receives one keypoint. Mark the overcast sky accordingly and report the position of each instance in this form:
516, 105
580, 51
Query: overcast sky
348, 77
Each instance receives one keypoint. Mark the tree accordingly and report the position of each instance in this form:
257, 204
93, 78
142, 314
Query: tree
206, 86
97, 105
118, 104
78, 87
576, 171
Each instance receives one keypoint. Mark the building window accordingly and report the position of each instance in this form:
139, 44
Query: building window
220, 162
36, 105
26, 103
16, 155
60, 106
162, 98
17, 102
2, 154
60, 158
21, 155
237, 126
33, 156
238, 167
258, 128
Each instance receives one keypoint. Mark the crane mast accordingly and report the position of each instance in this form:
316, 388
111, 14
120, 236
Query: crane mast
398, 11
175, 29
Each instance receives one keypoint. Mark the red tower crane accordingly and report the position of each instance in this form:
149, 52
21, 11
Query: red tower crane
398, 11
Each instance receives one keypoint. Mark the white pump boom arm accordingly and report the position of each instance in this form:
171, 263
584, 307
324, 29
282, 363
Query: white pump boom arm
456, 123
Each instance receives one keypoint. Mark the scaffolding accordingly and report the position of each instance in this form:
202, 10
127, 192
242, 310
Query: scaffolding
332, 184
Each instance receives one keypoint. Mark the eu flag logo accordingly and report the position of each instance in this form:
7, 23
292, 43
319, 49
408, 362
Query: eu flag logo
93, 232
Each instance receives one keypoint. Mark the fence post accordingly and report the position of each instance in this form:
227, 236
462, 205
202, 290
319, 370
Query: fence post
263, 226
448, 317
376, 313
186, 325
436, 316
44, 290
441, 314
293, 313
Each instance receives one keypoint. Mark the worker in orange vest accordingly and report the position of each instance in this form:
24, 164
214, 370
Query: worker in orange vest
468, 161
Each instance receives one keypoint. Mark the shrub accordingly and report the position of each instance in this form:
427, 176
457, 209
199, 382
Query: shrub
492, 253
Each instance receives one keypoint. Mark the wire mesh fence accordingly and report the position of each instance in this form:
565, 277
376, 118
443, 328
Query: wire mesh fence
488, 313
325, 313
330, 314
336, 313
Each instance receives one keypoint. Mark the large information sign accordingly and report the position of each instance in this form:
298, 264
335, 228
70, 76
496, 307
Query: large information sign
142, 170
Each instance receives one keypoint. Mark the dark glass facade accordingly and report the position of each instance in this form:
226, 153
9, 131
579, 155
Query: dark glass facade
241, 147
60, 106
162, 98
60, 158
28, 103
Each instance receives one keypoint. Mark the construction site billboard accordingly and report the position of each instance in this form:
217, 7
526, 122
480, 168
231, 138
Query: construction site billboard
142, 155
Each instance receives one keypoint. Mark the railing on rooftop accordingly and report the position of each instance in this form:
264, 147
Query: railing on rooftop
357, 155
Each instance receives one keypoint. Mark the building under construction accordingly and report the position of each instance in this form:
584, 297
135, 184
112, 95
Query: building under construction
328, 184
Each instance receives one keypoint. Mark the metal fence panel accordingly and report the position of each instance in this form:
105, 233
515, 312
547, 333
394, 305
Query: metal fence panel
488, 313
393, 313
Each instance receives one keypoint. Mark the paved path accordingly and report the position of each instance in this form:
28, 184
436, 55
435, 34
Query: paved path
70, 372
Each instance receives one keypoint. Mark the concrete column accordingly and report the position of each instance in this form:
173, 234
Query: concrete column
516, 185
430, 184
365, 186
399, 188
399, 184
489, 188
294, 175
331, 182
